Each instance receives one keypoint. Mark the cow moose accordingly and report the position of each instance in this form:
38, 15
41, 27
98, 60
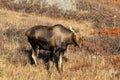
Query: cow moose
53, 38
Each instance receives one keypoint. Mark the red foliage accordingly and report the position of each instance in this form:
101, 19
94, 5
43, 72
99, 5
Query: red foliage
109, 32
106, 41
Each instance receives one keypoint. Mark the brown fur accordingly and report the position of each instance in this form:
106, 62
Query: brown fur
55, 39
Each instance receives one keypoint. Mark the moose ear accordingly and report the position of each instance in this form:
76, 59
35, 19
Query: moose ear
73, 29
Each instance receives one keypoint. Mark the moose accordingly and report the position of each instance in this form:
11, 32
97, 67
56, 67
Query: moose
54, 38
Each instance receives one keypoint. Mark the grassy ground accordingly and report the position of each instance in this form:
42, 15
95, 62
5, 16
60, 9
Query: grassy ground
98, 58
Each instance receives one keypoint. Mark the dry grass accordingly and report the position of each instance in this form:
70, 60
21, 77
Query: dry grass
90, 63
84, 67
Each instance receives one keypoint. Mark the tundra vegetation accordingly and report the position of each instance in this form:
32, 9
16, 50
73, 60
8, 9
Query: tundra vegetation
98, 26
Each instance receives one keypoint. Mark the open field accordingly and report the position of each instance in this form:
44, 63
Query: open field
97, 59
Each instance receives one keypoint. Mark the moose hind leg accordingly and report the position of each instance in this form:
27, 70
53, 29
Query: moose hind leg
35, 53
34, 57
35, 49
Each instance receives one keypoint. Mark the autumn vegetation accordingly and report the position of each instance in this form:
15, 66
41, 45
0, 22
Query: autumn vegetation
97, 23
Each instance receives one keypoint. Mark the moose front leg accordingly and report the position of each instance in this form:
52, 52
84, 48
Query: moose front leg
60, 59
60, 63
50, 63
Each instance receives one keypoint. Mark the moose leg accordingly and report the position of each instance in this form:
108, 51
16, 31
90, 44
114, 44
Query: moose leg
51, 60
35, 49
60, 63
60, 59
34, 55
50, 64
